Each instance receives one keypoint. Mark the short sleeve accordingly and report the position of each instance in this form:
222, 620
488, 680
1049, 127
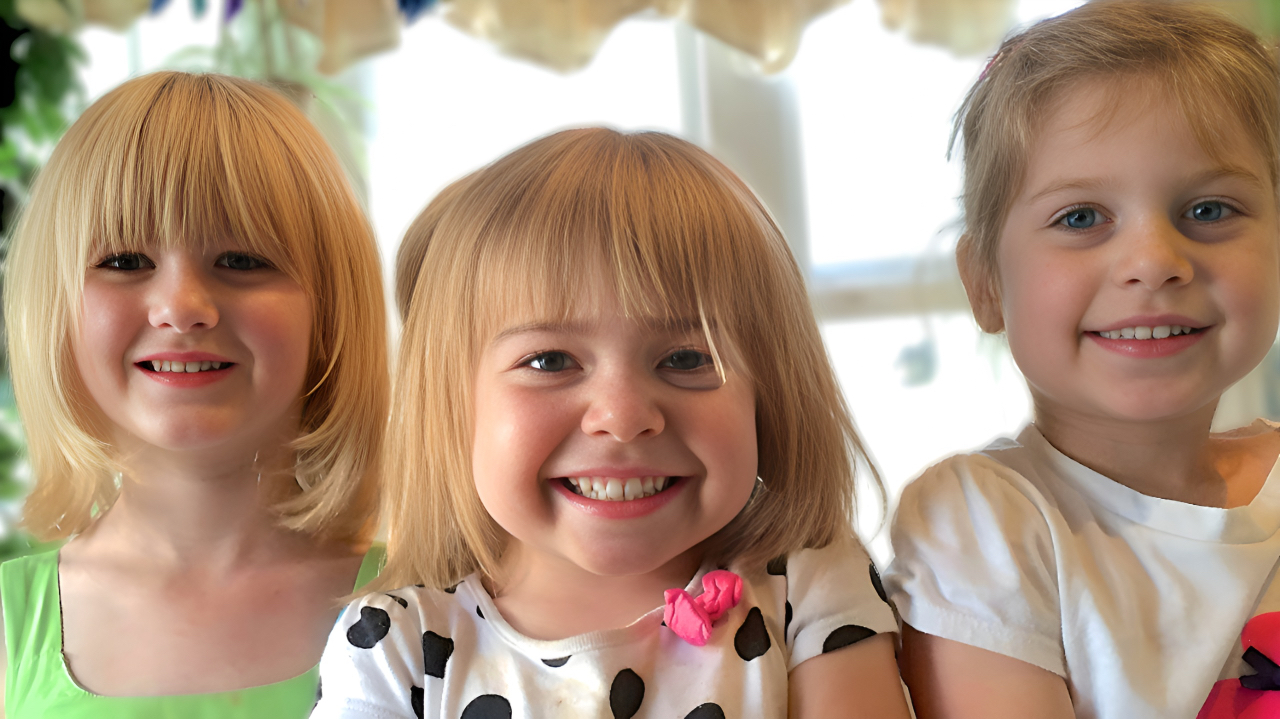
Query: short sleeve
834, 599
372, 665
974, 561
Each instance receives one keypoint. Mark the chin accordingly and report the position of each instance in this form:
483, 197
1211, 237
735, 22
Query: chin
630, 561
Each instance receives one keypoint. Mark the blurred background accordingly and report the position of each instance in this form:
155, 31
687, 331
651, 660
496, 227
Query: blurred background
837, 112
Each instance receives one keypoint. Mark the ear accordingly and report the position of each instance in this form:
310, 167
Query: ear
980, 285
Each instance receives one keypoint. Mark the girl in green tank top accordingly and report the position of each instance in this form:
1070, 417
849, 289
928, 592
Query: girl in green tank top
196, 335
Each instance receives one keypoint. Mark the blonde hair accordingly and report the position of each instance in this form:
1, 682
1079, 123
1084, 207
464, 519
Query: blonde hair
679, 236
175, 159
1216, 70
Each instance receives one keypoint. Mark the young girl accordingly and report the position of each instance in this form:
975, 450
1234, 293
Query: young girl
196, 337
1122, 230
611, 391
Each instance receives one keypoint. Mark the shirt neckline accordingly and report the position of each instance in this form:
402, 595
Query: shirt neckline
548, 649
1254, 522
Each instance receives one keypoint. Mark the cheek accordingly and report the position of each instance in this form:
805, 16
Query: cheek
107, 327
513, 434
281, 340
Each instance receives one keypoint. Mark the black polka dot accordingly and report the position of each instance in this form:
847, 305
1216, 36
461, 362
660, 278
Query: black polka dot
626, 694
844, 636
786, 626
399, 601
373, 626
487, 706
451, 590
478, 612
752, 639
557, 662
710, 710
436, 651
875, 582
778, 568
415, 701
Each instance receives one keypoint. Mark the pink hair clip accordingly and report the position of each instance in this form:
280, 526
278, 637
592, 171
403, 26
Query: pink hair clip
691, 617
996, 58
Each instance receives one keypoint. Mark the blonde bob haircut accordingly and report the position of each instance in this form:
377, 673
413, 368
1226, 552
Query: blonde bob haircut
1220, 74
678, 236
176, 160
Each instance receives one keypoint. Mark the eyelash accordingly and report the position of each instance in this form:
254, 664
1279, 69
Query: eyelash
1066, 212
708, 363
106, 262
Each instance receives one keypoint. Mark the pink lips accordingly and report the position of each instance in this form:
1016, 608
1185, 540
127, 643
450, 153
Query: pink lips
628, 509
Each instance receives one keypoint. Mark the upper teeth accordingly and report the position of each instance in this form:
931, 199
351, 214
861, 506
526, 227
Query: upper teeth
613, 489
167, 366
1146, 333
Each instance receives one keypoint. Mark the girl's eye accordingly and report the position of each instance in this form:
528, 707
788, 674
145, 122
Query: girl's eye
551, 362
1208, 211
240, 261
1081, 218
126, 261
686, 360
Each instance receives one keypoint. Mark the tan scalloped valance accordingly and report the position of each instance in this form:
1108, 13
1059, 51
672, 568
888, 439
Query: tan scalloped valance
566, 34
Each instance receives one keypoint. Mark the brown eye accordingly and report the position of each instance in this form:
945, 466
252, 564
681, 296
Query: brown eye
241, 261
686, 360
127, 261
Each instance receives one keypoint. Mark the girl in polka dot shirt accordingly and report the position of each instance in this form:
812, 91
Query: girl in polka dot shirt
620, 467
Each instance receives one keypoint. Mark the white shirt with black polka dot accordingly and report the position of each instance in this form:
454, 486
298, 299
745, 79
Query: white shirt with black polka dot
418, 652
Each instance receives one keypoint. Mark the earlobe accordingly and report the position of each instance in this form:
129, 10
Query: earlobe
980, 285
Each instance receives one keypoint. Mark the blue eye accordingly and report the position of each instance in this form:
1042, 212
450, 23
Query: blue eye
551, 362
1081, 218
1209, 211
240, 261
685, 360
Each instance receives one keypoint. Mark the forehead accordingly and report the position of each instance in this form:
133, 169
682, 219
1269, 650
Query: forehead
1105, 130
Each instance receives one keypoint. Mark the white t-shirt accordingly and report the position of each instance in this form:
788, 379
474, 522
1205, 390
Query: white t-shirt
1138, 602
420, 652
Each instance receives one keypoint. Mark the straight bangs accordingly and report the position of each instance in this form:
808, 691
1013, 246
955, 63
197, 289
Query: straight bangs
680, 240
174, 160
187, 161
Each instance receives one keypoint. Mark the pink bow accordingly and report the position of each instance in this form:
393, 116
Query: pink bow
691, 617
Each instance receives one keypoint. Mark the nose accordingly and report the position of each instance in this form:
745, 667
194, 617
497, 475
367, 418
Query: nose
181, 297
622, 406
1153, 256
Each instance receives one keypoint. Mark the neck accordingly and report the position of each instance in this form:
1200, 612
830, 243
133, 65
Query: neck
210, 508
1171, 458
535, 589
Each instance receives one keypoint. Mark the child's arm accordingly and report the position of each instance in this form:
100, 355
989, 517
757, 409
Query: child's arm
975, 578
952, 680
859, 681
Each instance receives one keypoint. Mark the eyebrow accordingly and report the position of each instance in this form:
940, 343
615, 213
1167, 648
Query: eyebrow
1095, 183
573, 327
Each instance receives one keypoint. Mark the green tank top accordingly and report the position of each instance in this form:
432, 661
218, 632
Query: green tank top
38, 684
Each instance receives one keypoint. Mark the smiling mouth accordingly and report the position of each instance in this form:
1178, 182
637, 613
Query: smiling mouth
182, 367
1158, 332
613, 489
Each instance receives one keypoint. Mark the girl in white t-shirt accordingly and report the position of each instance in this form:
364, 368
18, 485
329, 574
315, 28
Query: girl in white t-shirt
1122, 230
612, 396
